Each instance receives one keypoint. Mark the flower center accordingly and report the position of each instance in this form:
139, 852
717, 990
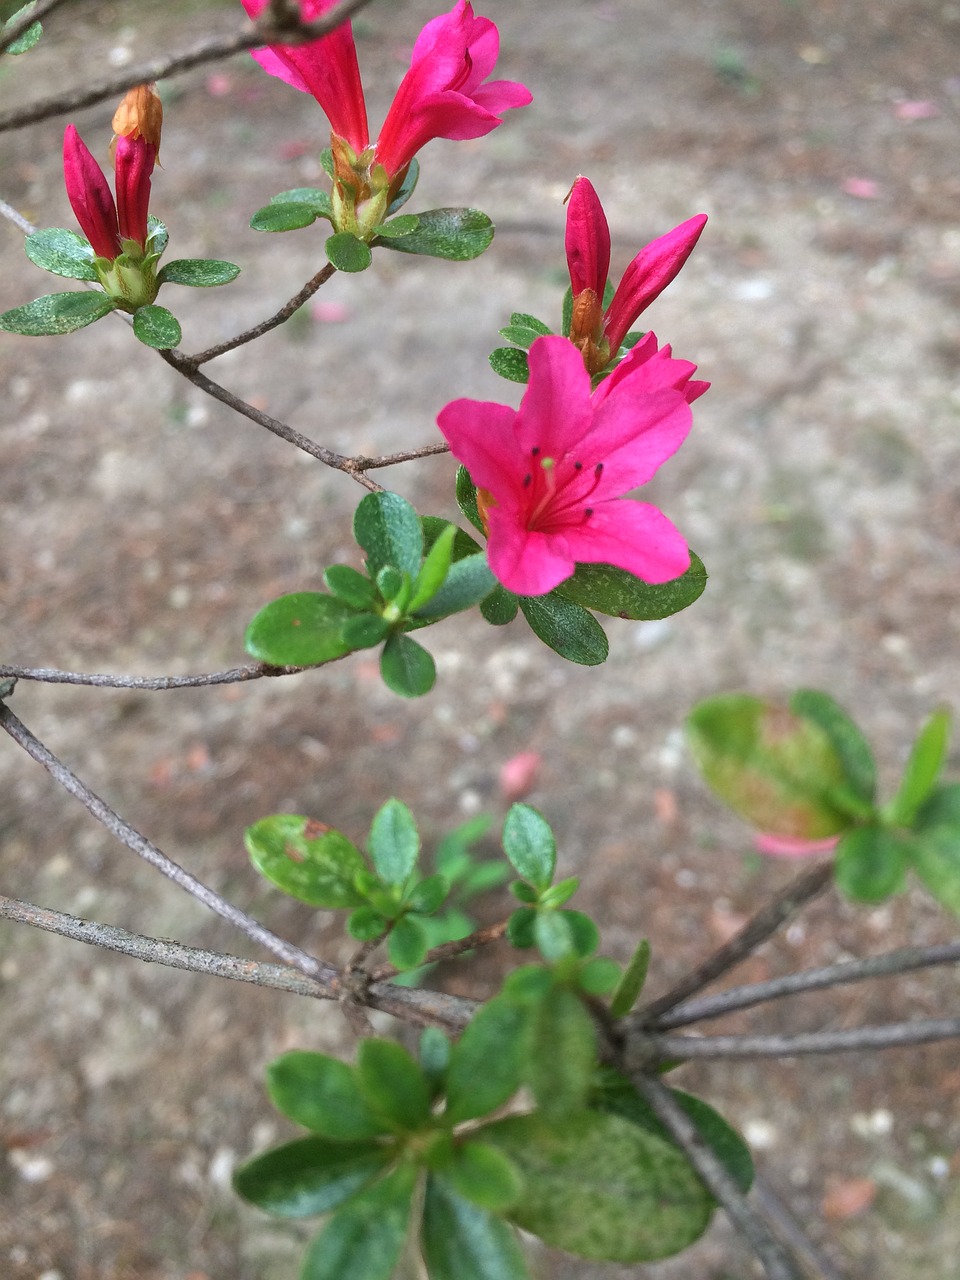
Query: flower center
557, 492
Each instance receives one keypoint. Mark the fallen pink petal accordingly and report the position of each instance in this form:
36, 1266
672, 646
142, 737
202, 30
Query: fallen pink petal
861, 188
775, 846
916, 110
518, 775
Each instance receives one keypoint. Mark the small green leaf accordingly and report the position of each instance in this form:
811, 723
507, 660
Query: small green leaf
524, 892
157, 236
407, 187
520, 928
553, 936
327, 164
455, 234
366, 923
318, 870
198, 273
406, 667
484, 1176
394, 842
848, 742
363, 1240
562, 1053
305, 195
567, 312
299, 630
407, 944
584, 933
923, 768
434, 1056
598, 976
500, 606
530, 322
62, 252
487, 1063
396, 228
365, 630
350, 586
389, 530
463, 544
322, 1094
393, 1084
467, 583
871, 863
631, 983
621, 595
156, 327
462, 1242
348, 253
560, 893
429, 895
56, 313
434, 569
510, 363
520, 335
390, 582
309, 1176
529, 843
286, 215
935, 847
566, 628
25, 42
467, 499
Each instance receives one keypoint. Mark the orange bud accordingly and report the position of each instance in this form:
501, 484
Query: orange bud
140, 115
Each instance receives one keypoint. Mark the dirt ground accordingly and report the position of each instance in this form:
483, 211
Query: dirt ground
143, 525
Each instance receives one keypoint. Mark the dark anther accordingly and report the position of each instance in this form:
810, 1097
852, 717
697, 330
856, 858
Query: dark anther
578, 466
535, 450
527, 480
598, 470
588, 512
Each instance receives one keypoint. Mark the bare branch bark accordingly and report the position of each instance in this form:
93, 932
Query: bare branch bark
150, 684
642, 1046
448, 950
789, 1229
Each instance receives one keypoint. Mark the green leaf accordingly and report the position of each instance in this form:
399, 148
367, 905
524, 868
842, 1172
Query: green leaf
394, 842
157, 235
484, 1176
467, 499
56, 313
434, 1056
309, 1176
348, 253
25, 42
487, 1063
322, 1094
927, 757
398, 227
620, 594
560, 893
62, 252
305, 195
567, 312
365, 630
871, 863
462, 1242
603, 1188
319, 870
429, 895
935, 847
524, 892
389, 530
407, 944
520, 928
327, 164
156, 327
453, 856
455, 234
631, 983
198, 273
467, 583
598, 976
530, 322
848, 742
553, 936
529, 843
463, 544
350, 586
286, 216
510, 363
391, 582
363, 1240
366, 923
616, 1095
407, 187
520, 335
566, 628
778, 770
299, 630
583, 932
500, 606
562, 1053
406, 667
393, 1084
434, 568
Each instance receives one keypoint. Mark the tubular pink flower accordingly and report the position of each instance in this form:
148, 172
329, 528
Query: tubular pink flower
551, 475
134, 161
89, 195
597, 333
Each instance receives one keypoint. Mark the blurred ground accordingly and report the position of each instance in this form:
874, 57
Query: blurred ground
143, 525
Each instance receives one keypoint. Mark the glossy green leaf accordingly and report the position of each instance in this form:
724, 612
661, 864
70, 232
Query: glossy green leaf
286, 215
317, 869
487, 1063
429, 895
871, 863
299, 630
566, 628
467, 583
350, 586
455, 234
463, 1242
56, 313
407, 187
62, 252
322, 1094
620, 594
394, 842
466, 492
510, 363
779, 771
406, 667
347, 252
157, 235
529, 843
315, 196
463, 544
393, 1084
198, 273
935, 847
156, 327
435, 567
849, 743
927, 757
390, 583
632, 981
389, 530
562, 1053
530, 322
363, 1240
521, 335
408, 943
500, 606
309, 1176
365, 630
484, 1176
615, 1094
405, 225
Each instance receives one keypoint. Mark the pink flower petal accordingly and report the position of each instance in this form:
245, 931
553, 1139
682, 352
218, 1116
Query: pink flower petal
527, 562
654, 267
634, 536
587, 240
90, 196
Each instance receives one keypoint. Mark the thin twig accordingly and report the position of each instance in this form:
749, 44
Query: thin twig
789, 1229
17, 28
777, 1261
12, 215
903, 960
118, 827
642, 1046
448, 950
258, 330
210, 49
756, 931
362, 463
149, 684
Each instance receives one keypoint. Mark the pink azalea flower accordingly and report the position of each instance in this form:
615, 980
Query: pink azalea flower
597, 333
550, 475
441, 96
